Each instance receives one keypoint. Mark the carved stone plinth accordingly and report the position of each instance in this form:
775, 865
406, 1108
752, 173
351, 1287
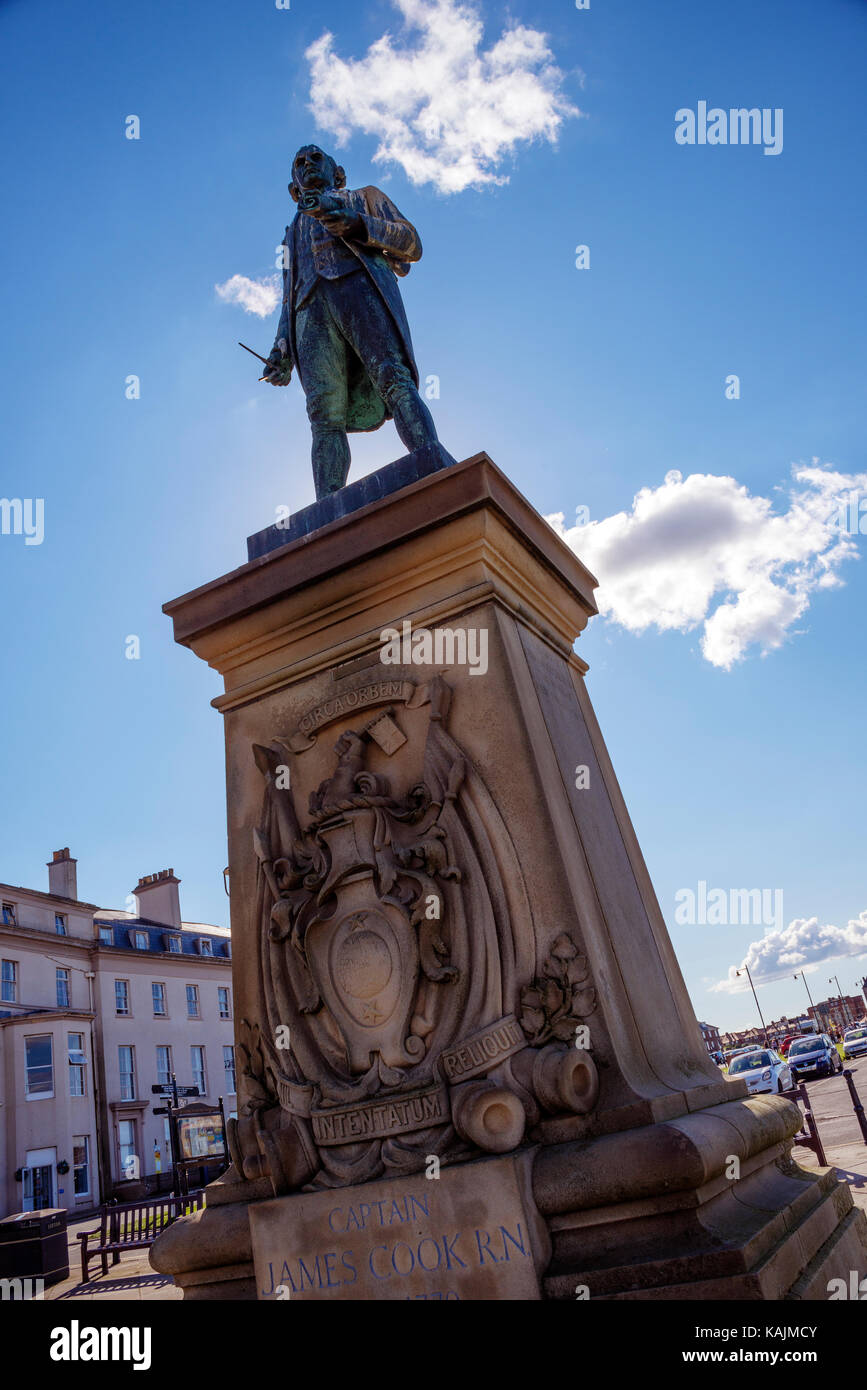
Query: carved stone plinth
447, 947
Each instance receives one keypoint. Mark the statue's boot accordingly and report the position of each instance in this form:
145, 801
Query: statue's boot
331, 458
413, 421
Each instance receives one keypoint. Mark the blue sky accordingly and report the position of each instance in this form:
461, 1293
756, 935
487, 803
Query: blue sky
738, 739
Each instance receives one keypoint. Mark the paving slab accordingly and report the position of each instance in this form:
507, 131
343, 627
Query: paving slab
839, 1131
132, 1279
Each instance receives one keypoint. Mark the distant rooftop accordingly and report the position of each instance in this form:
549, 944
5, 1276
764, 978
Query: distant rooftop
125, 925
105, 915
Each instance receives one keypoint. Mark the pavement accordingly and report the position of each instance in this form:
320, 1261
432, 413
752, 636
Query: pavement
836, 1121
132, 1279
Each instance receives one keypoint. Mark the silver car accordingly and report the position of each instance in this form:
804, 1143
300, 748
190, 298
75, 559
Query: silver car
855, 1042
814, 1056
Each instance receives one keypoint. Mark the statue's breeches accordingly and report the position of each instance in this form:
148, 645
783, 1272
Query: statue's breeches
344, 324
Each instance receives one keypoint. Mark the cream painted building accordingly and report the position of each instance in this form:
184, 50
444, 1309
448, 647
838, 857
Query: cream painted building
96, 1006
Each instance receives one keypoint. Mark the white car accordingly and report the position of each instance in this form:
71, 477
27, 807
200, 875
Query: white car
855, 1042
764, 1070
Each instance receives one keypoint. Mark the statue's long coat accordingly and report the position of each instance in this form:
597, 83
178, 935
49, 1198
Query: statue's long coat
392, 244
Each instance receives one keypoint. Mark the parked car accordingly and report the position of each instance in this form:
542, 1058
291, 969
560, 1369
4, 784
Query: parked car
763, 1070
854, 1042
784, 1046
729, 1057
814, 1056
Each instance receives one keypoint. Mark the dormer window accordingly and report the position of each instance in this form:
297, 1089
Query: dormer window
141, 940
172, 943
106, 936
227, 949
60, 924
206, 947
9, 918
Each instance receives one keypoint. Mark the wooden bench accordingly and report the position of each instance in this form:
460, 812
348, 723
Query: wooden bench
132, 1226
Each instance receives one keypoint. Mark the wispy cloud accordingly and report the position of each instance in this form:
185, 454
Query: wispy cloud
259, 297
444, 109
703, 551
802, 945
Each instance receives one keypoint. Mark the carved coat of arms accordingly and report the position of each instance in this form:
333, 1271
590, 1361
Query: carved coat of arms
403, 1013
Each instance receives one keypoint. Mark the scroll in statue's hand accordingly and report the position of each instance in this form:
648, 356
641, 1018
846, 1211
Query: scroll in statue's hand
343, 223
335, 216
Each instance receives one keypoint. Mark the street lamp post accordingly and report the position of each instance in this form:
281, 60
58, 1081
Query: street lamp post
807, 988
756, 997
844, 1010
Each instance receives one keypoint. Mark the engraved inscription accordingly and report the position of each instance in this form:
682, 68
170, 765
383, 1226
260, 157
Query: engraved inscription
483, 1050
470, 1235
401, 1115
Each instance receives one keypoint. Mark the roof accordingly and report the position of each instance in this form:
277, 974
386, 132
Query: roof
123, 924
14, 890
111, 914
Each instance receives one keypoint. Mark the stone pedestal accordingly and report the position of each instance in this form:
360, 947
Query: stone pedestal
446, 947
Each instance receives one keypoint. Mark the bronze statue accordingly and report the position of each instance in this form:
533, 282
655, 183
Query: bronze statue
343, 325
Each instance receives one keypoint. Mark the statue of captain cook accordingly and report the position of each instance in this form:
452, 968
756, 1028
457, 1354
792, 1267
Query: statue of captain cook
343, 324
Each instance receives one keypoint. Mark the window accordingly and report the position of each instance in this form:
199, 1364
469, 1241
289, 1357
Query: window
60, 924
129, 1161
223, 1001
9, 918
77, 1064
126, 1061
164, 1066
9, 982
39, 1082
141, 940
229, 1068
193, 1001
158, 991
81, 1165
205, 946
197, 1057
174, 943
62, 977
106, 936
121, 996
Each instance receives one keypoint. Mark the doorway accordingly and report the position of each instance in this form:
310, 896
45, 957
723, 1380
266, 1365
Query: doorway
39, 1190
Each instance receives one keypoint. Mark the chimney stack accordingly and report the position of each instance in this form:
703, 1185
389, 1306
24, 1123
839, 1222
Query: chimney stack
62, 875
157, 898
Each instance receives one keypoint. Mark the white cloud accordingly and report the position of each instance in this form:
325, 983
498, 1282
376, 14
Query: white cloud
705, 552
259, 297
802, 945
442, 108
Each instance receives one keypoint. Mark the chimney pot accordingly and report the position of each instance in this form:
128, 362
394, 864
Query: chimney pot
157, 898
63, 874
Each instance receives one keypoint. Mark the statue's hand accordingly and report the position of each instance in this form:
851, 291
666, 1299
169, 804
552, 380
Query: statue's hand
337, 218
343, 224
279, 369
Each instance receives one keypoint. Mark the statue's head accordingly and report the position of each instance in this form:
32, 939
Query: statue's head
313, 169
